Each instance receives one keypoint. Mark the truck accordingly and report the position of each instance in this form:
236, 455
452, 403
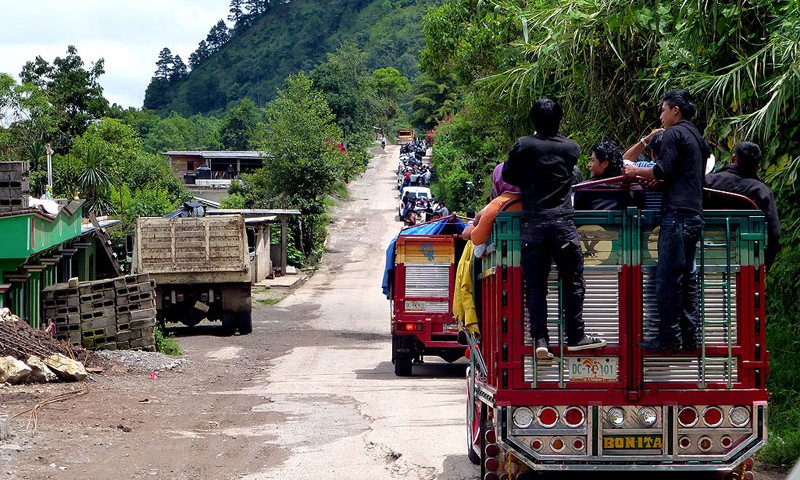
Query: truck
201, 268
419, 281
621, 408
405, 136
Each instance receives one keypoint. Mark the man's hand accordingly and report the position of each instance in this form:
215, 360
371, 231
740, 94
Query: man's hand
630, 171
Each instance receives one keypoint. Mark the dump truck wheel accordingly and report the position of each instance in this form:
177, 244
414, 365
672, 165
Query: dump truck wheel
228, 322
245, 323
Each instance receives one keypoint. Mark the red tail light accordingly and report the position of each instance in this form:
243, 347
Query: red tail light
687, 416
492, 464
573, 416
548, 416
491, 476
492, 450
577, 444
536, 444
411, 327
490, 436
712, 416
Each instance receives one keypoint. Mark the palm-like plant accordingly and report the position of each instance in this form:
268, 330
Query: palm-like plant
95, 182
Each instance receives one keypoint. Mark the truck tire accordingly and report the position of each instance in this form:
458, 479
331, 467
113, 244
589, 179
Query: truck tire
402, 360
228, 323
402, 364
245, 323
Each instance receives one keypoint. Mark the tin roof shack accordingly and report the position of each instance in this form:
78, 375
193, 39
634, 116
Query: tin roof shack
211, 166
268, 260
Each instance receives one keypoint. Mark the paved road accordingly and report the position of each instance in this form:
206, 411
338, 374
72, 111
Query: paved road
348, 416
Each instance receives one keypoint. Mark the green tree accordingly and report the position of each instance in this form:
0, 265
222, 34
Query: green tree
390, 87
239, 126
72, 90
303, 163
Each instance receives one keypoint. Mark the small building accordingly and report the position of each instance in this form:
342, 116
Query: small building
211, 166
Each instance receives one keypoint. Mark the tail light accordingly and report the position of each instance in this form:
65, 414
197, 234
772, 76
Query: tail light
687, 416
557, 444
548, 417
712, 416
536, 444
491, 476
492, 464
578, 444
740, 416
574, 417
490, 436
411, 327
684, 442
522, 417
647, 416
616, 417
704, 444
726, 441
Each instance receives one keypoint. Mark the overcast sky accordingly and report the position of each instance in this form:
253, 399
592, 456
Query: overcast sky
127, 34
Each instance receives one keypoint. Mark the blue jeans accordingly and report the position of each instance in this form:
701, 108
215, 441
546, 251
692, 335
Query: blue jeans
677, 288
543, 241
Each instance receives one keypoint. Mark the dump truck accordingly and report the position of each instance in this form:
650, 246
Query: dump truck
201, 268
621, 408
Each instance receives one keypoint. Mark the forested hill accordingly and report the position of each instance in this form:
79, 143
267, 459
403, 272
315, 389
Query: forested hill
254, 56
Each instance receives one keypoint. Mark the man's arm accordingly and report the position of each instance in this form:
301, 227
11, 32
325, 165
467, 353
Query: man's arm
633, 152
512, 167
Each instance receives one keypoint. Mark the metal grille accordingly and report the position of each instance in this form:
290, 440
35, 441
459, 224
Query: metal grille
687, 369
428, 280
600, 306
716, 307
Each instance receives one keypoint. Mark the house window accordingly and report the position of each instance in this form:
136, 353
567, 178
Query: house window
190, 165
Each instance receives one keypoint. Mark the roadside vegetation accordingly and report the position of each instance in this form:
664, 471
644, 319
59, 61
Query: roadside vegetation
166, 343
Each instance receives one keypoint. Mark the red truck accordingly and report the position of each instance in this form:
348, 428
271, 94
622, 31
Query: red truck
620, 408
419, 281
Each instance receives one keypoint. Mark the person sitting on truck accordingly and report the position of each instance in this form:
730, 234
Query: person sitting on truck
503, 194
680, 165
741, 177
542, 166
606, 162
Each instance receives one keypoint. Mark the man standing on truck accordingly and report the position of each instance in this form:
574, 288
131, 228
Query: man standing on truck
680, 165
542, 166
741, 177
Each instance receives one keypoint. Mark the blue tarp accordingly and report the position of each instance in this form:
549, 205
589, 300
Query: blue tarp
450, 225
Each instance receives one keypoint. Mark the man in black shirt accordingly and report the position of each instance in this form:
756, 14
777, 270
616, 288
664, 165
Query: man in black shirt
680, 165
742, 177
542, 165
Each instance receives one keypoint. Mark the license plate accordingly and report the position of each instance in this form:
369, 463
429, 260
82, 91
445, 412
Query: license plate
632, 442
592, 369
450, 327
415, 306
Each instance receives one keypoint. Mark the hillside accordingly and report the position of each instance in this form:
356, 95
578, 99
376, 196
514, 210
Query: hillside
290, 37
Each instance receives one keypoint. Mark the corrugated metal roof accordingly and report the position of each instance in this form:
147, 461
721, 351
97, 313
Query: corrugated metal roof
215, 154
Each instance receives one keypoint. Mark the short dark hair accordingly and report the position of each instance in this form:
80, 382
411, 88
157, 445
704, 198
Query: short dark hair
655, 143
682, 99
546, 115
748, 156
609, 151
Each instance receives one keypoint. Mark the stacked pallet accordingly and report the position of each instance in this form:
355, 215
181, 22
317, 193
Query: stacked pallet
114, 314
14, 186
62, 306
136, 310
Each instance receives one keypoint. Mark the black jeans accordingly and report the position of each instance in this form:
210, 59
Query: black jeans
676, 277
544, 241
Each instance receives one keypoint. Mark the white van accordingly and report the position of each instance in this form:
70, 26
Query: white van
414, 193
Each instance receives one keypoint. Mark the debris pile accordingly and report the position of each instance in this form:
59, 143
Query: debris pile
32, 356
115, 314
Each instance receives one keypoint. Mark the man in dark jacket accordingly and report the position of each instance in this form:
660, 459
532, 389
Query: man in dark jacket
742, 177
542, 166
680, 165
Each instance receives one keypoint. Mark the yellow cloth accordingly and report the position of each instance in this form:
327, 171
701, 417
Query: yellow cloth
463, 303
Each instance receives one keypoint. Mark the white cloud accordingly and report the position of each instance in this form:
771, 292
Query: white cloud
127, 34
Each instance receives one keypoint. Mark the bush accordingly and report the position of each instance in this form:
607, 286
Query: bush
166, 343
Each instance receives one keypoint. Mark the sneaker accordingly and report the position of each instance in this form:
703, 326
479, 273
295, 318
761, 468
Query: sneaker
542, 351
587, 343
659, 346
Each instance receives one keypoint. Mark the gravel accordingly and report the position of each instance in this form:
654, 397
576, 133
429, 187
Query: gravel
139, 360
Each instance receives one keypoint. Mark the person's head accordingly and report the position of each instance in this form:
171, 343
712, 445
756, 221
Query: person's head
546, 115
747, 157
500, 187
655, 145
606, 159
676, 105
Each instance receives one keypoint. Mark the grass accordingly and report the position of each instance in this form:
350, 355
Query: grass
268, 301
166, 344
